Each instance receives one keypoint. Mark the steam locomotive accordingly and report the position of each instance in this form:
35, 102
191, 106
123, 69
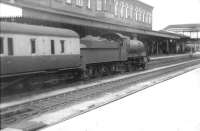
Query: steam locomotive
28, 52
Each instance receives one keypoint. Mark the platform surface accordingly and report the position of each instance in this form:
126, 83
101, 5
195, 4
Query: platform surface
172, 105
158, 57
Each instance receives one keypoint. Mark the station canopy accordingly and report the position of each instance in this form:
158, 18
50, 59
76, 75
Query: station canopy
162, 33
183, 28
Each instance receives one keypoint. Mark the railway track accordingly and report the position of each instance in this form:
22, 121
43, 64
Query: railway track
18, 113
9, 95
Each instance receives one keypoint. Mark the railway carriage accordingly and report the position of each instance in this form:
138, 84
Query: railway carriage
32, 55
29, 48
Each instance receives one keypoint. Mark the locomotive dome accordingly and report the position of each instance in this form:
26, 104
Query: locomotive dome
11, 27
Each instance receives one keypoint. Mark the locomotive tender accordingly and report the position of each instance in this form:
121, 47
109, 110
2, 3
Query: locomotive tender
26, 50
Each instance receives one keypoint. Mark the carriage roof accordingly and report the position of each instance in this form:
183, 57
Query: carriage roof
18, 28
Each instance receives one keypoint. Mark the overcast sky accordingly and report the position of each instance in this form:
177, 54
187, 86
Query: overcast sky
168, 12
165, 12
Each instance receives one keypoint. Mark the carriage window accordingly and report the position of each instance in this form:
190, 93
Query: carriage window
62, 42
10, 46
1, 45
33, 46
52, 47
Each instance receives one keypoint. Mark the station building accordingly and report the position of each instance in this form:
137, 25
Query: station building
103, 14
130, 12
96, 17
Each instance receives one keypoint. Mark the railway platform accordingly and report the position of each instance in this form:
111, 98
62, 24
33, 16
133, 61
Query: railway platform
159, 57
171, 105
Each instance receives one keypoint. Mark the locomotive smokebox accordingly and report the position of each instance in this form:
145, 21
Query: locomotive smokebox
136, 48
